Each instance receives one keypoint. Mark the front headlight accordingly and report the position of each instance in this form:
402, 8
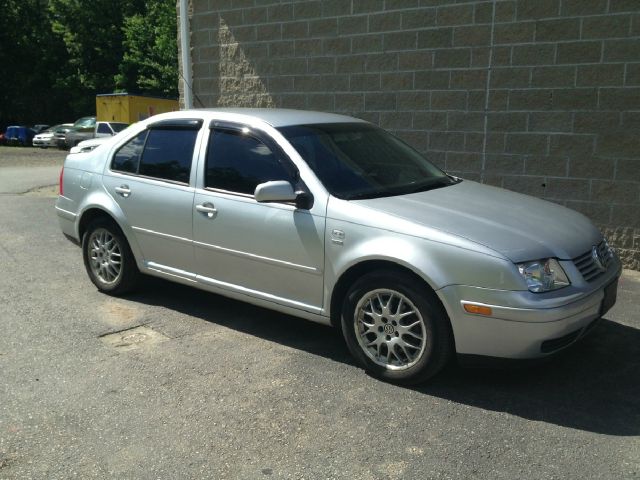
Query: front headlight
543, 275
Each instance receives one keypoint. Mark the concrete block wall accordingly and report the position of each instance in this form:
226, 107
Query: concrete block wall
537, 96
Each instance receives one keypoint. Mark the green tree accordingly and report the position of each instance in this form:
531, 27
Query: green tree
32, 59
150, 61
92, 33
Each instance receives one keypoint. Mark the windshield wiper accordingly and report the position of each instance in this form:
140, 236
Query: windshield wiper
432, 185
370, 194
439, 183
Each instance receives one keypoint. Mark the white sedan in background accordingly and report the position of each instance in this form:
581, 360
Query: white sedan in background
47, 138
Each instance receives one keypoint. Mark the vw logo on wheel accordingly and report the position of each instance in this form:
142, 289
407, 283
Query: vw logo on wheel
388, 329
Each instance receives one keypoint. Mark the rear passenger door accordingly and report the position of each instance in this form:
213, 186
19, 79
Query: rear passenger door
151, 179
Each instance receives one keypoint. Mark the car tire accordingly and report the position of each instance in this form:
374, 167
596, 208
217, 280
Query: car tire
396, 327
108, 259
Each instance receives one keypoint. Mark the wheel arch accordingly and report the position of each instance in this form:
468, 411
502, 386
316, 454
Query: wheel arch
351, 274
91, 214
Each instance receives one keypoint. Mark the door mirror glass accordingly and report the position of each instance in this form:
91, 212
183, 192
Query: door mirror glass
275, 191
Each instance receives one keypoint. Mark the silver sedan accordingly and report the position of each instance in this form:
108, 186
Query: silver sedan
332, 219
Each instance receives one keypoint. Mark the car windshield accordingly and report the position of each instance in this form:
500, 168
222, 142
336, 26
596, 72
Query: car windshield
85, 122
359, 160
118, 127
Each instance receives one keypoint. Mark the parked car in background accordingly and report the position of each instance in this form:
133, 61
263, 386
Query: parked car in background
100, 129
39, 128
19, 135
88, 145
47, 138
83, 123
335, 220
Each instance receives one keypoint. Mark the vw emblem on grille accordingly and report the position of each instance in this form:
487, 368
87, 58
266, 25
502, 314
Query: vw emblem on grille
598, 260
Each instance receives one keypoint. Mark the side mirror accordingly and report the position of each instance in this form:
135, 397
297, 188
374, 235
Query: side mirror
274, 191
282, 191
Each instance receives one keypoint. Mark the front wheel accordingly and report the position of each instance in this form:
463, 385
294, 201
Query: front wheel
396, 328
108, 259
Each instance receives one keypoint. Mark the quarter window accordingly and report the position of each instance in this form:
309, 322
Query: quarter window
127, 157
238, 162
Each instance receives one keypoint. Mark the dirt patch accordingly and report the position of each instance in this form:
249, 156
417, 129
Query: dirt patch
48, 191
118, 314
133, 338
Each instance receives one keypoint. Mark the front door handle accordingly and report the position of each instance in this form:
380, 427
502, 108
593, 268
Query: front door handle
123, 190
208, 209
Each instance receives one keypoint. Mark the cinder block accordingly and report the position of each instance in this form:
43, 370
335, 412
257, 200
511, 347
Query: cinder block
606, 26
572, 145
400, 41
583, 7
535, 9
551, 122
366, 6
452, 58
627, 50
423, 18
352, 25
534, 54
579, 52
435, 38
449, 100
379, 101
557, 29
553, 76
307, 9
519, 32
383, 22
472, 35
527, 143
600, 75
414, 100
455, 15
555, 166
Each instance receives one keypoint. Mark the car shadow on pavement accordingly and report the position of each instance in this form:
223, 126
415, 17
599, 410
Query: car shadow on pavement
592, 386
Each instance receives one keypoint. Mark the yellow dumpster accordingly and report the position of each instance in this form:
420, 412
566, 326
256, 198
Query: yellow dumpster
123, 107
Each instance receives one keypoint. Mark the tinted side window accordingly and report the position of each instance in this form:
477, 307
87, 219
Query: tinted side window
127, 157
104, 128
168, 154
238, 163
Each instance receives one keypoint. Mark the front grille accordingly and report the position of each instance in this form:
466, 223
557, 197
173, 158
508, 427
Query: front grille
594, 263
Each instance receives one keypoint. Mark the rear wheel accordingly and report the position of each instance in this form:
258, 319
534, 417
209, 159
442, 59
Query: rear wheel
108, 259
396, 328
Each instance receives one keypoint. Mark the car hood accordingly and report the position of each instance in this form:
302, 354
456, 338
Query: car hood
518, 226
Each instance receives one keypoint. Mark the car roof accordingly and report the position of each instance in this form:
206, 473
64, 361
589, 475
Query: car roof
276, 117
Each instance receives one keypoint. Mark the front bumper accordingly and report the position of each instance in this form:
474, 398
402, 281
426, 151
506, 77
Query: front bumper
519, 330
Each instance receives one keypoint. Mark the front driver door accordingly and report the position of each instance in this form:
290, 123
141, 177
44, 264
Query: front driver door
272, 251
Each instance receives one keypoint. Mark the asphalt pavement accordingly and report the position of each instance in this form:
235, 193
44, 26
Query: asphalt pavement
172, 382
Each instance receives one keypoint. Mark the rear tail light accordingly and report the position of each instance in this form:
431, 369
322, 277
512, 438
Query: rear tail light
61, 188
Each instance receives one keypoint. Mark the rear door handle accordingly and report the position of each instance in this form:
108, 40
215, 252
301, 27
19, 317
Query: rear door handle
123, 190
208, 209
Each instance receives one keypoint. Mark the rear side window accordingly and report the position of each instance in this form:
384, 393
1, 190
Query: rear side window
237, 162
168, 154
164, 153
127, 157
104, 128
